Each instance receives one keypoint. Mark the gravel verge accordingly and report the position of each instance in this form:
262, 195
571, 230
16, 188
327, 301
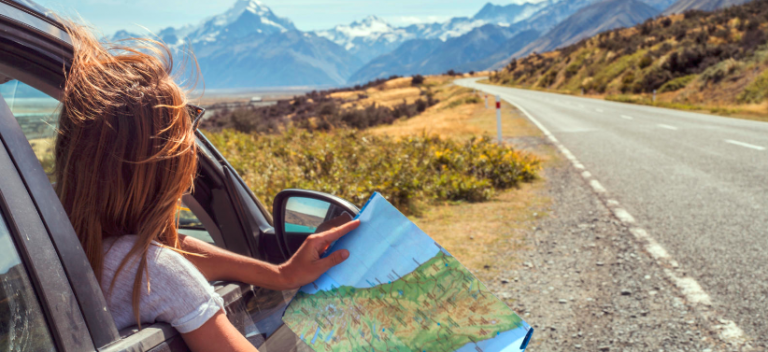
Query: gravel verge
583, 282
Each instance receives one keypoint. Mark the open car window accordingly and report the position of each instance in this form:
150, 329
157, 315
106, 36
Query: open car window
38, 116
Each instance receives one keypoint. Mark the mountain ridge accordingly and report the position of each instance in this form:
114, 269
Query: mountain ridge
598, 17
246, 45
681, 6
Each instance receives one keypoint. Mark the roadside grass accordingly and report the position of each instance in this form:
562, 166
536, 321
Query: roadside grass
448, 119
409, 172
754, 112
481, 235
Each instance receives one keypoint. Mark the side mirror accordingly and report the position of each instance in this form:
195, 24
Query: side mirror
299, 213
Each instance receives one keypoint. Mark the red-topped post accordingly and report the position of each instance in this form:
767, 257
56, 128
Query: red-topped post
498, 117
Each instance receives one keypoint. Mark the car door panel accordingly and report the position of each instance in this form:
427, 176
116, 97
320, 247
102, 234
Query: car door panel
47, 274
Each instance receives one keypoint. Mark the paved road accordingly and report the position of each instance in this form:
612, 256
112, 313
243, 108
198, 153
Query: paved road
698, 183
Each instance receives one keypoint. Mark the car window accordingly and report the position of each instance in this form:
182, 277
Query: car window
22, 324
38, 116
191, 225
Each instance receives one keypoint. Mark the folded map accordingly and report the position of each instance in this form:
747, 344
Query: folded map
399, 290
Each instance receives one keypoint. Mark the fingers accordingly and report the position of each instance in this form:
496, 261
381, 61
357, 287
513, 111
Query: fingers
337, 221
334, 259
335, 233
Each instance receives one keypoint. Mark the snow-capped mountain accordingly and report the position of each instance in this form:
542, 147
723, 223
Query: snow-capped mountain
511, 13
244, 18
368, 38
455, 27
373, 36
250, 46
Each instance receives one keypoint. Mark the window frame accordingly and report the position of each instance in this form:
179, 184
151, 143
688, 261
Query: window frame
57, 300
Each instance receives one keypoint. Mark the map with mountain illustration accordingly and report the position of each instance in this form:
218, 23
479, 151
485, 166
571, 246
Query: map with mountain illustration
401, 291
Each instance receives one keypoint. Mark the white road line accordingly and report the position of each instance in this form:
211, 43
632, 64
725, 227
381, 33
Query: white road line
626, 117
623, 215
597, 186
599, 110
691, 289
667, 127
745, 145
727, 330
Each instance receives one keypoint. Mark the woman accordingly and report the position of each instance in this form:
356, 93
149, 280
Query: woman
125, 155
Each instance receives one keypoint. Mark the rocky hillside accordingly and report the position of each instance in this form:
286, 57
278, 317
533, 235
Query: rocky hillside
711, 58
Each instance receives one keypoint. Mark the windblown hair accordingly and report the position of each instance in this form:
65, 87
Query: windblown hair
125, 152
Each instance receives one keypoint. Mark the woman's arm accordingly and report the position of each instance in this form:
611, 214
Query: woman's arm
304, 267
217, 334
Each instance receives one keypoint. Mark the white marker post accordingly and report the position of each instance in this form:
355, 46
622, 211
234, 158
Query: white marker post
654, 95
498, 117
486, 101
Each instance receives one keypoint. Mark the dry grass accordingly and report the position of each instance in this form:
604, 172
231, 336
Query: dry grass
391, 96
462, 121
401, 82
346, 95
42, 147
481, 234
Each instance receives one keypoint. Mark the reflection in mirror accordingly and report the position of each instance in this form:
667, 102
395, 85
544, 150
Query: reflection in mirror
304, 215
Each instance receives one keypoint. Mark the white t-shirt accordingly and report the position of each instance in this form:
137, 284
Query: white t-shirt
178, 292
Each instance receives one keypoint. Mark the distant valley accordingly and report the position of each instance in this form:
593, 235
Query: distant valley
249, 46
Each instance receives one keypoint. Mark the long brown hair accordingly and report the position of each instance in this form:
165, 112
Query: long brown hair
126, 150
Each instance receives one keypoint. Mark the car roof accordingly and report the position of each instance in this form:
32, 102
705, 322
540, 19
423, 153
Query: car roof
35, 17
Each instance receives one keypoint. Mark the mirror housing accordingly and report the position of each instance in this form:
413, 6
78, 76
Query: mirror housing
299, 213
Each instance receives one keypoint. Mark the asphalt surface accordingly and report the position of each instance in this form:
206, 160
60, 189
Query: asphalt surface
697, 183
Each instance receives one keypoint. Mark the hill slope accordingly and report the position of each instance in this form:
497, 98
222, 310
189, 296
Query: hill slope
591, 20
716, 58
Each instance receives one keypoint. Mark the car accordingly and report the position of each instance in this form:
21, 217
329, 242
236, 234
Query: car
50, 299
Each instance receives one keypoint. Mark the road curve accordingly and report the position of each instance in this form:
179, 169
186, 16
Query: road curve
697, 183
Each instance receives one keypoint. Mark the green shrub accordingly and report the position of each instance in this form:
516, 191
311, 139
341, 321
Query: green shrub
756, 91
572, 69
352, 165
417, 80
677, 84
717, 72
644, 62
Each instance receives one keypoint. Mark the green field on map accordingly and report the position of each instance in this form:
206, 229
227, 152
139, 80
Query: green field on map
438, 307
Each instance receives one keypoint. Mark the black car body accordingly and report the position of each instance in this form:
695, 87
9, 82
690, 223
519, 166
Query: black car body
50, 299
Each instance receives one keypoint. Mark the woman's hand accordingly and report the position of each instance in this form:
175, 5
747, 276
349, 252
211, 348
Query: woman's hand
306, 265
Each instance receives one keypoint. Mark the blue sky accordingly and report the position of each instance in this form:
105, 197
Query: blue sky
111, 15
